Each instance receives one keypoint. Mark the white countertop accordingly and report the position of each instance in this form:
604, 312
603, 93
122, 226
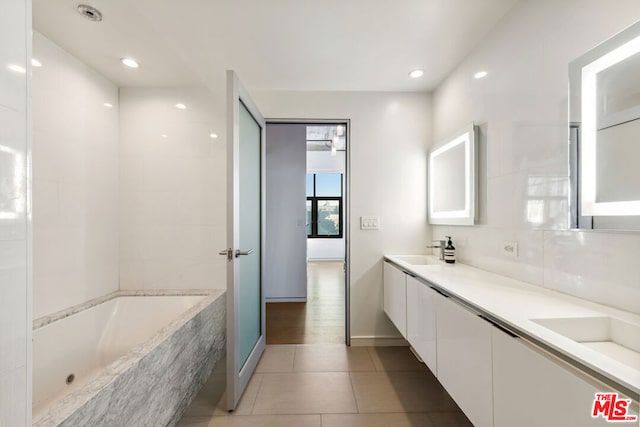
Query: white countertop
514, 303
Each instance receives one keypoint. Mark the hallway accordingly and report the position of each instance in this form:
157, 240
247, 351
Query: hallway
321, 319
330, 385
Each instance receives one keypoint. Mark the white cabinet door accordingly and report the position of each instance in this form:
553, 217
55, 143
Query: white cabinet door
464, 360
395, 297
532, 388
421, 321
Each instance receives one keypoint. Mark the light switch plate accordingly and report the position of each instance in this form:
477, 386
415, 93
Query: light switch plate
510, 249
369, 222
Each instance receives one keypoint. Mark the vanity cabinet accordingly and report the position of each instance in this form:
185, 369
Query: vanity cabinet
421, 321
464, 360
495, 377
532, 388
395, 296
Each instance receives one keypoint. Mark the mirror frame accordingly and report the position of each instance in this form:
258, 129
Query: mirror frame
582, 113
467, 216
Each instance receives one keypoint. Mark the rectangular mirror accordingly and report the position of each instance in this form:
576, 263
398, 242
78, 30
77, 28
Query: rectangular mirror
604, 134
452, 179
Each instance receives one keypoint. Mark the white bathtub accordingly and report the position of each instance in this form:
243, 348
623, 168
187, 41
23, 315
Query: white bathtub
98, 344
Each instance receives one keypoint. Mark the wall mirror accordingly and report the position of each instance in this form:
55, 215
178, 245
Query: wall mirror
604, 114
452, 179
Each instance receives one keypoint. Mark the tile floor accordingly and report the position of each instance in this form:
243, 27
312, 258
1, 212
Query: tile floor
330, 385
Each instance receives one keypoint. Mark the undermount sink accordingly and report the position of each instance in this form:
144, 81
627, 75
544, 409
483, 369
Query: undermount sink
414, 259
611, 337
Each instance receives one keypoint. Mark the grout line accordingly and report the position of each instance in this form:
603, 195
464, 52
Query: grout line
353, 391
253, 405
293, 362
375, 366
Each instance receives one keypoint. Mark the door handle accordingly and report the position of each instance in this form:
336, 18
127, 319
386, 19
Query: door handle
228, 253
239, 252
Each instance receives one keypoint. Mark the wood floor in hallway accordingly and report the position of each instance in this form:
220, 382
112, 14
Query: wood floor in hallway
321, 319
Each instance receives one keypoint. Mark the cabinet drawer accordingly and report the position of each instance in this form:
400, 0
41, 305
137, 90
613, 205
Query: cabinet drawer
464, 360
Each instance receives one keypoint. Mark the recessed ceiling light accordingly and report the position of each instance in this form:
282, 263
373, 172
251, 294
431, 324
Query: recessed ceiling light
164, 135
35, 63
416, 73
480, 74
17, 68
213, 135
130, 62
106, 104
181, 106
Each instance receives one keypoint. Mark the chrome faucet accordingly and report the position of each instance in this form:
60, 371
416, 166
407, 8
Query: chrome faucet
440, 246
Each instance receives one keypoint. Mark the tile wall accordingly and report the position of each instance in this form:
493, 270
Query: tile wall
15, 227
75, 181
521, 108
172, 190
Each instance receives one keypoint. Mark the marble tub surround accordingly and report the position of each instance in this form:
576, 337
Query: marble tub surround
514, 304
154, 382
50, 318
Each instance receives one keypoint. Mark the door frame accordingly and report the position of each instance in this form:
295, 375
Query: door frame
238, 377
346, 209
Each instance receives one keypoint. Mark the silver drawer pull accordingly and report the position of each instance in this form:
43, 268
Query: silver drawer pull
239, 252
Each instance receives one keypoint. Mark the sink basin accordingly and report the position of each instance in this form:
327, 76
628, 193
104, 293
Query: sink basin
414, 259
607, 335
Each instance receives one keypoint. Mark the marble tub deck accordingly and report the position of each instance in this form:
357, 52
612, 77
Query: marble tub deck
162, 375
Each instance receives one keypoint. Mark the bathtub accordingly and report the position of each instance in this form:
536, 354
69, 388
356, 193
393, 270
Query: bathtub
129, 358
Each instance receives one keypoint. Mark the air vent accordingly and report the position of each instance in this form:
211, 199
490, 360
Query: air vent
90, 12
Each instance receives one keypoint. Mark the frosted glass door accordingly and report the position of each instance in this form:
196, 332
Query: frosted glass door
245, 236
249, 265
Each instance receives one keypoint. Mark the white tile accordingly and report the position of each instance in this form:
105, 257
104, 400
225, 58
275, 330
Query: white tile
541, 200
159, 207
499, 201
158, 241
131, 274
540, 145
14, 386
203, 273
161, 273
13, 303
14, 51
72, 208
601, 267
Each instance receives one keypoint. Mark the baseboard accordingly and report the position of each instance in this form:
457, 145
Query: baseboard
378, 342
300, 299
325, 260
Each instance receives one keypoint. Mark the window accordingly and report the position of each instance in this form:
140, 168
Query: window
324, 205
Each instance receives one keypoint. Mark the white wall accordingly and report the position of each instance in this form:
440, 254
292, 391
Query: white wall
172, 190
389, 137
75, 181
15, 226
521, 107
324, 162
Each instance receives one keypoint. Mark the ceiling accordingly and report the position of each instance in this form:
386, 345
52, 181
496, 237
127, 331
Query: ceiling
339, 45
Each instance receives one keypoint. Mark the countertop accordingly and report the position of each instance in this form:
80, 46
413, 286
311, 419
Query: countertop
513, 303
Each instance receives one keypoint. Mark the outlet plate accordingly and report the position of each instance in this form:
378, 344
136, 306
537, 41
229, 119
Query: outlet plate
369, 222
510, 249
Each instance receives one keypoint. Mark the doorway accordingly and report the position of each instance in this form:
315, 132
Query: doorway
307, 181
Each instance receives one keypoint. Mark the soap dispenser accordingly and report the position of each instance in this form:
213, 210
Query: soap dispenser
449, 251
